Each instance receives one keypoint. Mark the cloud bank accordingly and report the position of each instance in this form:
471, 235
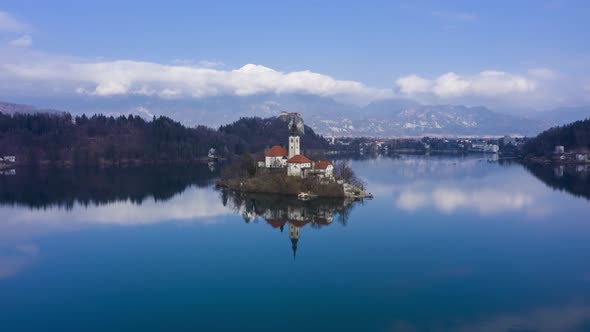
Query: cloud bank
486, 84
29, 73
126, 77
101, 78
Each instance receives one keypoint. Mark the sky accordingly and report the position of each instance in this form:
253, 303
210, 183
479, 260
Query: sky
516, 54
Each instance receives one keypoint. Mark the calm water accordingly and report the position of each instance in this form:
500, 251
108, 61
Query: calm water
448, 244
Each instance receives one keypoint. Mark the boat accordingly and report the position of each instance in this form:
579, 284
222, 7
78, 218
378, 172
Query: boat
303, 196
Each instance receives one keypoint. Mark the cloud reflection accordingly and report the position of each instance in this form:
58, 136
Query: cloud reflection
23, 225
448, 200
16, 258
195, 203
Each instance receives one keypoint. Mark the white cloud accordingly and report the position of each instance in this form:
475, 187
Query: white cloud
32, 74
109, 78
9, 23
24, 41
451, 85
413, 84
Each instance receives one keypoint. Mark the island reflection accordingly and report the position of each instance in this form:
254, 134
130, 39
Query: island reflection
282, 212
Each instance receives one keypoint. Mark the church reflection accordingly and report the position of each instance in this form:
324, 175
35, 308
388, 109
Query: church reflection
282, 212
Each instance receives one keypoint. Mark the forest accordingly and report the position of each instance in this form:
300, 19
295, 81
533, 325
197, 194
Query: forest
46, 138
575, 137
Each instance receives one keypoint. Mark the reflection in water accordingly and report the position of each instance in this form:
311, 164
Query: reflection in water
448, 200
40, 188
129, 244
286, 211
574, 179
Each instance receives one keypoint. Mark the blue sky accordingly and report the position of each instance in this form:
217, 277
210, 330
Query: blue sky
535, 52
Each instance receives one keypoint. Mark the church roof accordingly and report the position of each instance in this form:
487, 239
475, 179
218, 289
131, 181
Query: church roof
322, 164
299, 159
299, 223
322, 221
276, 151
276, 223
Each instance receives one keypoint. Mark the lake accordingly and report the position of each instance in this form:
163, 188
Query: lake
447, 244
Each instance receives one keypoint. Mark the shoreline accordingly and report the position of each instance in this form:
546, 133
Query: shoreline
109, 164
553, 162
293, 186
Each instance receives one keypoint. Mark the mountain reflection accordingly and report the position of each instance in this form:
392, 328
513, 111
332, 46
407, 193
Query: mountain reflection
42, 188
282, 212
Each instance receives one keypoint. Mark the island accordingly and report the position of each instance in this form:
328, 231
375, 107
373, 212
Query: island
287, 171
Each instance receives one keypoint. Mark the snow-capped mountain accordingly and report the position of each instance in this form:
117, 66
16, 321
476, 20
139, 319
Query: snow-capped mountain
418, 120
326, 116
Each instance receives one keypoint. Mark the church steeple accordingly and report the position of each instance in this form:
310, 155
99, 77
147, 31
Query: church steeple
294, 236
294, 142
294, 247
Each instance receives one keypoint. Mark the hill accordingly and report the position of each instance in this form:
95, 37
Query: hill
574, 137
257, 134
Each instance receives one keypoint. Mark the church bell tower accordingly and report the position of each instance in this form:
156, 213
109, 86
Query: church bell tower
294, 142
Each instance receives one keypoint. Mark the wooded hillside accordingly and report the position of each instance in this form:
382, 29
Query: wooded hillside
61, 138
574, 137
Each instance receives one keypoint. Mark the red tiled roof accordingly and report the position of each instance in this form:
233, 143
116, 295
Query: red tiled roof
276, 151
299, 223
322, 221
299, 159
322, 164
276, 223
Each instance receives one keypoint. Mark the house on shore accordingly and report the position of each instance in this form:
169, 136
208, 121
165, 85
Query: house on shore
323, 169
276, 157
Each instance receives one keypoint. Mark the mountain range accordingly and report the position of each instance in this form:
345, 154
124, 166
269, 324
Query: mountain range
387, 118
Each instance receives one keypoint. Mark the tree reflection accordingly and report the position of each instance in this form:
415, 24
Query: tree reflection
45, 187
574, 179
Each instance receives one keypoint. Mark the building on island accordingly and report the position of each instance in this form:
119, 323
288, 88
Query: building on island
294, 142
559, 149
323, 169
294, 236
276, 157
296, 163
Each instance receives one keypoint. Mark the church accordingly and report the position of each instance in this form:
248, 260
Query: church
292, 159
